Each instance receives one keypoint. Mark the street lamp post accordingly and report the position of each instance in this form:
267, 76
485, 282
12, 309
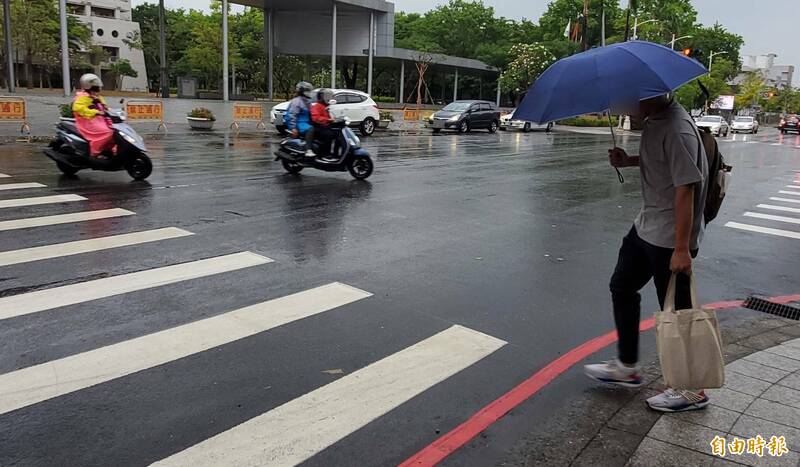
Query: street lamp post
711, 58
636, 24
674, 40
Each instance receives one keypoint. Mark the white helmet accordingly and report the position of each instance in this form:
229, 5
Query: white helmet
90, 80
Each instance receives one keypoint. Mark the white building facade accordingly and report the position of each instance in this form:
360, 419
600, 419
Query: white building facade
111, 23
779, 76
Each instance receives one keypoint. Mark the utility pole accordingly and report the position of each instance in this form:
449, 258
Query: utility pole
9, 46
585, 24
628, 21
602, 24
62, 6
163, 81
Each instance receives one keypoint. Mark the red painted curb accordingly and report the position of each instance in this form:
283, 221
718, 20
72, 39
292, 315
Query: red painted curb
488, 415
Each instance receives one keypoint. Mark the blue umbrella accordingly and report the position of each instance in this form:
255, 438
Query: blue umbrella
606, 79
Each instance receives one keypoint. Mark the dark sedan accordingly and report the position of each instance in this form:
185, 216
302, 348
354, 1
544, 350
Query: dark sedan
464, 116
789, 123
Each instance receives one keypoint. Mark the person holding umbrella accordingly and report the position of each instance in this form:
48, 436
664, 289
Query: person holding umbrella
637, 78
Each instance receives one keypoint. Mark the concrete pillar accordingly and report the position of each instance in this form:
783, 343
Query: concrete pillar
225, 50
455, 86
402, 99
333, 47
9, 46
497, 103
371, 51
62, 6
269, 33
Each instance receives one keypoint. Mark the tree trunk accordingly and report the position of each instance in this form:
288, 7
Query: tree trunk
628, 22
29, 69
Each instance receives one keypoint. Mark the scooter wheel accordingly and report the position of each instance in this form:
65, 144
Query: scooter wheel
140, 167
67, 170
291, 167
360, 167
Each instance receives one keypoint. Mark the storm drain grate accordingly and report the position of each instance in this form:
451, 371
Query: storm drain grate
777, 309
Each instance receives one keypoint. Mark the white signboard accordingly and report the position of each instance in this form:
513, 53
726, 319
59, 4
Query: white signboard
723, 103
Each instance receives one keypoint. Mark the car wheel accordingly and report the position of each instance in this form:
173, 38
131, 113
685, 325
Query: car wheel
755, 132
67, 170
437, 130
493, 126
360, 167
463, 127
526, 128
367, 127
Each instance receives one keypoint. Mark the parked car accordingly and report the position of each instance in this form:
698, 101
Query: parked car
464, 116
716, 124
789, 123
508, 122
346, 103
744, 124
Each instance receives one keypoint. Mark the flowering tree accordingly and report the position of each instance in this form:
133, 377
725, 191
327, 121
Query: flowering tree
526, 63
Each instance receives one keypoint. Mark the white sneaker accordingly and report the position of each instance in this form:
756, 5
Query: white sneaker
614, 372
310, 153
677, 401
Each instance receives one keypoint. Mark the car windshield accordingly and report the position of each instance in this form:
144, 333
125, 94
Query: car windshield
744, 119
457, 106
710, 119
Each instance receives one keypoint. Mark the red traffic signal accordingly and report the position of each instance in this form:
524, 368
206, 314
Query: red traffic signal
688, 52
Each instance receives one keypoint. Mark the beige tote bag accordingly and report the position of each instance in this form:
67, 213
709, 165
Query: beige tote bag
689, 344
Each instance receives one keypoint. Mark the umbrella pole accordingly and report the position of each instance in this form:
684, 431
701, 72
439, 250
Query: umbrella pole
614, 140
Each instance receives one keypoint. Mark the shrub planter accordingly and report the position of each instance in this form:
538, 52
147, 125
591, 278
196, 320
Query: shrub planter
384, 124
200, 123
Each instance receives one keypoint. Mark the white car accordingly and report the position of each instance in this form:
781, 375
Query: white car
508, 122
354, 105
716, 124
744, 124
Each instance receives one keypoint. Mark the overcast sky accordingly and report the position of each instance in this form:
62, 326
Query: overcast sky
768, 26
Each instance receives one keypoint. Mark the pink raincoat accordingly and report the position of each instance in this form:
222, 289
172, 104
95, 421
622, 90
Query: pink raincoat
95, 128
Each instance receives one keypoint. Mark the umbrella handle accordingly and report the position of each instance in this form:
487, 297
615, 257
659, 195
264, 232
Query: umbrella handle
614, 140
619, 175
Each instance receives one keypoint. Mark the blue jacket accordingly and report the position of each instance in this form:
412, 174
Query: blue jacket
298, 115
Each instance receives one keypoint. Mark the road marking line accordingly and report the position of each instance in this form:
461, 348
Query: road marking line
785, 200
41, 300
5, 176
784, 192
764, 230
758, 215
796, 187
18, 202
8, 258
300, 428
38, 383
776, 144
778, 208
63, 219
19, 186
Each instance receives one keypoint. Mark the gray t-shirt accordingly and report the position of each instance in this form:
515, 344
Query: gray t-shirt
671, 155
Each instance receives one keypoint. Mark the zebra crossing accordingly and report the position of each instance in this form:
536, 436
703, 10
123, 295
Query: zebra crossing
789, 205
772, 139
284, 435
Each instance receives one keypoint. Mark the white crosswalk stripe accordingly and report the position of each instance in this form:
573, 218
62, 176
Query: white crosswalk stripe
52, 379
785, 192
770, 217
5, 176
796, 187
778, 208
20, 186
298, 429
764, 230
21, 202
57, 250
784, 200
41, 300
63, 219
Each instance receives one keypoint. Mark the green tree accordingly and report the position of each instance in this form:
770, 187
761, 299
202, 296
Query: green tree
717, 39
751, 91
527, 62
559, 13
119, 70
691, 96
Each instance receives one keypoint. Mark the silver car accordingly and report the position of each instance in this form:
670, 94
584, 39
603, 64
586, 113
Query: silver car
744, 124
716, 124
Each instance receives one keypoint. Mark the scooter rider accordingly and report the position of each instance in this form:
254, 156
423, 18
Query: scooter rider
298, 115
321, 120
89, 109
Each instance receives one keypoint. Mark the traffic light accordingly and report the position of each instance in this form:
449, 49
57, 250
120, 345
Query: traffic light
693, 53
688, 51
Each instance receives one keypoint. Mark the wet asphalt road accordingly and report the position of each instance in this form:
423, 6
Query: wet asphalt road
512, 235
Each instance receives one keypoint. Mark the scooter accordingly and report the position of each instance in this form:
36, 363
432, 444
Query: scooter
71, 152
351, 157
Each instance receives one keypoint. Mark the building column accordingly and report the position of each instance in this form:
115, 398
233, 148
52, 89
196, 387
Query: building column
402, 99
225, 50
9, 46
333, 47
269, 22
371, 51
455, 86
498, 92
62, 4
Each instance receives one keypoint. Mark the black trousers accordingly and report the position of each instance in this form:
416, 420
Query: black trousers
639, 262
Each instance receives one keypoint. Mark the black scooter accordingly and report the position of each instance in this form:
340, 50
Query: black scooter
352, 157
71, 152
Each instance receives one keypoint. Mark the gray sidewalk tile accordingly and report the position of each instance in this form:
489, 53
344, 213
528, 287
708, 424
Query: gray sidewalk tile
784, 395
790, 459
765, 340
786, 351
774, 361
745, 384
685, 434
609, 448
779, 413
729, 399
756, 370
714, 417
654, 453
635, 417
791, 381
793, 343
749, 427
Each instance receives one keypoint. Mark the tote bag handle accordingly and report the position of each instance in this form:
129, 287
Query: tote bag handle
669, 300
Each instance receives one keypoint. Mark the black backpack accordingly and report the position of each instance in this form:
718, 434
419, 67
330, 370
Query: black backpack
717, 168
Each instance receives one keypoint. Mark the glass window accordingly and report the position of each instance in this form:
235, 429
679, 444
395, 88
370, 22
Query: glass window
743, 119
457, 107
486, 107
115, 33
99, 32
339, 98
710, 119
102, 12
355, 98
